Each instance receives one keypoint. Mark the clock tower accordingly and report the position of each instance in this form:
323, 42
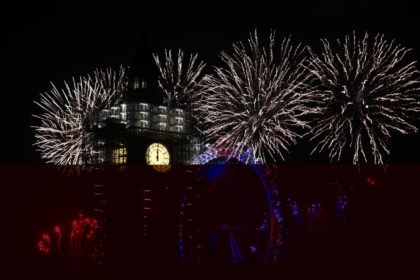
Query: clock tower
146, 138
129, 131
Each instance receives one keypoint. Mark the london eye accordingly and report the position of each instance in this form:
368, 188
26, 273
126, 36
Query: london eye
230, 211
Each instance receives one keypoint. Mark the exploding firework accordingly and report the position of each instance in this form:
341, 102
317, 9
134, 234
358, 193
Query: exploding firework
77, 250
179, 79
257, 101
63, 138
366, 90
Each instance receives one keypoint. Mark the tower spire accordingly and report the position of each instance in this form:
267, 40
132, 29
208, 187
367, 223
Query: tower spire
143, 71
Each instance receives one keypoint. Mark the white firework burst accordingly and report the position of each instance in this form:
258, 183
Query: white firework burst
63, 137
366, 90
258, 100
180, 79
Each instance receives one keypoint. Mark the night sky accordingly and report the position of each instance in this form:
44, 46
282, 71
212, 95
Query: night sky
52, 42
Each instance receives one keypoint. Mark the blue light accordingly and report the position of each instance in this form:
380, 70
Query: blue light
181, 248
246, 157
215, 172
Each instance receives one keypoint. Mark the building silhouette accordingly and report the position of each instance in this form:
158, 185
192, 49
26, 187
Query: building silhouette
125, 130
138, 144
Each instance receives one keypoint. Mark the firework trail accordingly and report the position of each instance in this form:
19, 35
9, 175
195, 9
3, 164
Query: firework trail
63, 137
82, 240
179, 79
77, 250
340, 206
44, 245
296, 213
366, 90
256, 101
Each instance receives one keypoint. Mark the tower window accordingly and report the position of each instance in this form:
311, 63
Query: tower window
178, 128
143, 115
143, 107
178, 120
140, 82
119, 155
161, 118
162, 110
136, 83
144, 124
179, 113
143, 83
162, 126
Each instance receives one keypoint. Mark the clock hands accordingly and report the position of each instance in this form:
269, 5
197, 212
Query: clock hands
157, 154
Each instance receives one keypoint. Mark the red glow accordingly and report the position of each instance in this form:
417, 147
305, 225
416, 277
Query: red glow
44, 245
57, 230
43, 248
79, 247
371, 181
46, 237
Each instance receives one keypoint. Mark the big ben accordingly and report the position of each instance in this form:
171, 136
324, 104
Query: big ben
146, 140
128, 131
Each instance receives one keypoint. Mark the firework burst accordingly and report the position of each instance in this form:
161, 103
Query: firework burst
78, 247
63, 138
179, 78
366, 91
257, 101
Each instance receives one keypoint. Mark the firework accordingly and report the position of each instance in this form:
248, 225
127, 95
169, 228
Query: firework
77, 250
63, 138
366, 90
256, 101
179, 79
213, 153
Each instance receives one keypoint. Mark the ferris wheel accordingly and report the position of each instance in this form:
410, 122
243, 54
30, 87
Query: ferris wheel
230, 211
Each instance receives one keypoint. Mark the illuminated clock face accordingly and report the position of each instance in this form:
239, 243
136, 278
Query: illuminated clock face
157, 154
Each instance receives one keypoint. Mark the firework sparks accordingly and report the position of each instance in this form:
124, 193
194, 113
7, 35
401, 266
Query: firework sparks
63, 137
257, 101
366, 90
77, 250
179, 79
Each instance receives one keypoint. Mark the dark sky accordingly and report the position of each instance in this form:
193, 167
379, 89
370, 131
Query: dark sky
53, 42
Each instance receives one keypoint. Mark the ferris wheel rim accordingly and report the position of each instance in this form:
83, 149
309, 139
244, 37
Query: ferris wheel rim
261, 170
